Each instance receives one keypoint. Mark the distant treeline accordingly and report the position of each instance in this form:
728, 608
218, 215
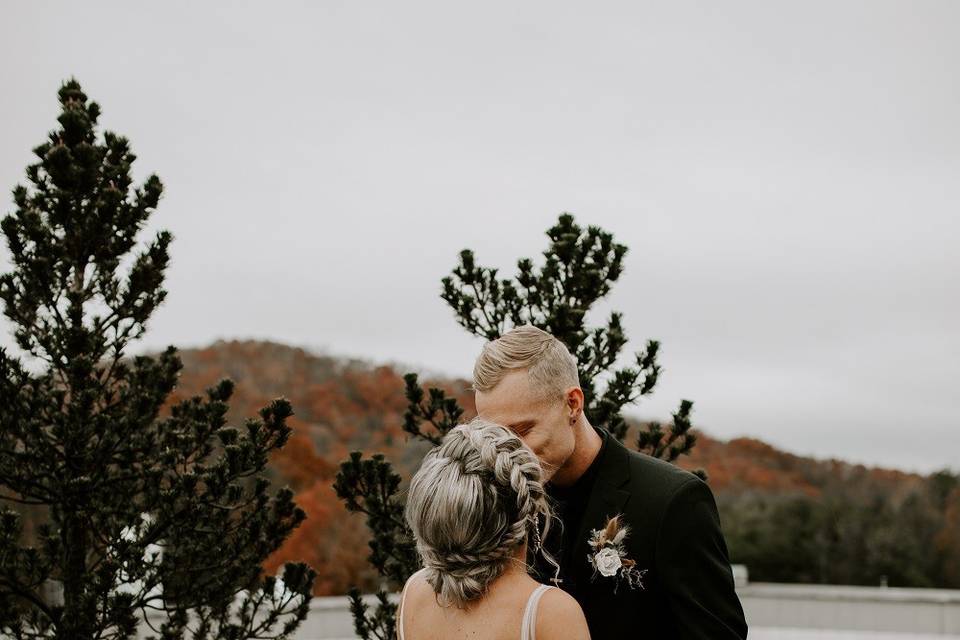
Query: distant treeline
854, 532
795, 519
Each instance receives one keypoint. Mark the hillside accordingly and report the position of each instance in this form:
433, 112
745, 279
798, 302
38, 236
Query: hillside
339, 406
790, 518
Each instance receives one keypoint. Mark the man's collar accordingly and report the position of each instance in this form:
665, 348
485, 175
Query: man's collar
610, 467
613, 462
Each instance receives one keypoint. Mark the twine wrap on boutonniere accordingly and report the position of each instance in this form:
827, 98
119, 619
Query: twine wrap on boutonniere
608, 556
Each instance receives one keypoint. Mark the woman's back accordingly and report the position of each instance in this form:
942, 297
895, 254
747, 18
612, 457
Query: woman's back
515, 607
473, 506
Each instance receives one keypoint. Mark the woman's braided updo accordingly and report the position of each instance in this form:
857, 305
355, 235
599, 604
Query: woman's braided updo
471, 505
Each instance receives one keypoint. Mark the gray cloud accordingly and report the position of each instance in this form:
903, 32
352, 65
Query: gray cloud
785, 178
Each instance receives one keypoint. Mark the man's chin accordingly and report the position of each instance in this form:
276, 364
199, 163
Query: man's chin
546, 475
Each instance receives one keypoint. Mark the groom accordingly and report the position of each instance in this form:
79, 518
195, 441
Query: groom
669, 576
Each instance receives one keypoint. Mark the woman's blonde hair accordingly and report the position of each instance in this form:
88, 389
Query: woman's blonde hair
550, 366
474, 501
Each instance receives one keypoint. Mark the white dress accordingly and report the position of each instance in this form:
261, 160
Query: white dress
527, 627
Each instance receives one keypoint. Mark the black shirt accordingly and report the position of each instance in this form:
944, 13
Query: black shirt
568, 504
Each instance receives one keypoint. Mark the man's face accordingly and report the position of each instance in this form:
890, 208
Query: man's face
540, 422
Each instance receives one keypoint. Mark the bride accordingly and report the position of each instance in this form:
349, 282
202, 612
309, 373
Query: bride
473, 506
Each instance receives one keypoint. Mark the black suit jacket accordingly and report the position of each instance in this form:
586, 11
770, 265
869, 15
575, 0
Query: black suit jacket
674, 534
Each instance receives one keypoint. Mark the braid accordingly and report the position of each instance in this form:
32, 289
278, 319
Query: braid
472, 504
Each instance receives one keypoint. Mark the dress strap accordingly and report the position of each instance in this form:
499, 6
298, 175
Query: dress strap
528, 627
403, 599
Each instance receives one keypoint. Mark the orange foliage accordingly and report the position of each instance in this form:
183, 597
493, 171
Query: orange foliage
339, 406
299, 463
331, 540
744, 464
748, 463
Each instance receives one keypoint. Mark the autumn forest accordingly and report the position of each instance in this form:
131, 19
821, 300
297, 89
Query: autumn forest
787, 518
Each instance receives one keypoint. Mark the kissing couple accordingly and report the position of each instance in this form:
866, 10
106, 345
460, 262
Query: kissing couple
532, 523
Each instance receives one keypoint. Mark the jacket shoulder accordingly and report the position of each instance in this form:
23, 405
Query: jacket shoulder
657, 480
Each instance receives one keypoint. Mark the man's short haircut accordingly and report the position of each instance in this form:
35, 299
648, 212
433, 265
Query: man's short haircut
550, 366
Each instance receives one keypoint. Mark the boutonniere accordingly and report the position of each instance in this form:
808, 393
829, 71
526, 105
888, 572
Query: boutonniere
608, 555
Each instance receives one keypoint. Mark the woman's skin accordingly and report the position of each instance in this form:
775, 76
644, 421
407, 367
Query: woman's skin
495, 616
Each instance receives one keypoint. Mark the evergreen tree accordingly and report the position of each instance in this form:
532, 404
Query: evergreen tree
170, 516
579, 267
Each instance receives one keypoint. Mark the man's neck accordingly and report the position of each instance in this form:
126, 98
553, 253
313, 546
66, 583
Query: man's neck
586, 446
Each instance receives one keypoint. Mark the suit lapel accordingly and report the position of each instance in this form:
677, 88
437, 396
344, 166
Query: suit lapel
606, 499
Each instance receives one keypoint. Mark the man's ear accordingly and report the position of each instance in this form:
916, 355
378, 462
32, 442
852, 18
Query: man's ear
574, 402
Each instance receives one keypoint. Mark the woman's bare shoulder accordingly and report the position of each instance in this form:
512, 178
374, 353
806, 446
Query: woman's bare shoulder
417, 587
411, 596
559, 617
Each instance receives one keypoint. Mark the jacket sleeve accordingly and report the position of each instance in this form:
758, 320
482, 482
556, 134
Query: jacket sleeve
694, 567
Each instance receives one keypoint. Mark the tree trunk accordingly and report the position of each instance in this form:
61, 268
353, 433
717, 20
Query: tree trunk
77, 621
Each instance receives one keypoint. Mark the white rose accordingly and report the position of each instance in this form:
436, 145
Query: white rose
607, 561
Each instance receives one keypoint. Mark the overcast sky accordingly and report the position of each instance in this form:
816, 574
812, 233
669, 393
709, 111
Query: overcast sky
785, 176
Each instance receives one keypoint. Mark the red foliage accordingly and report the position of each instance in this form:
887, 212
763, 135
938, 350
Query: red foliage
339, 406
331, 540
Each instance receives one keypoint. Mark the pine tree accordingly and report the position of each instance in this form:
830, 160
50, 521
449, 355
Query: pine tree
171, 516
579, 267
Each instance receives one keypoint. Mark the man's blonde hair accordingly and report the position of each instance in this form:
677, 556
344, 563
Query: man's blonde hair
550, 367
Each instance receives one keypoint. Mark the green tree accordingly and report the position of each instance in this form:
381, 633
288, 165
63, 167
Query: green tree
579, 268
139, 513
857, 529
